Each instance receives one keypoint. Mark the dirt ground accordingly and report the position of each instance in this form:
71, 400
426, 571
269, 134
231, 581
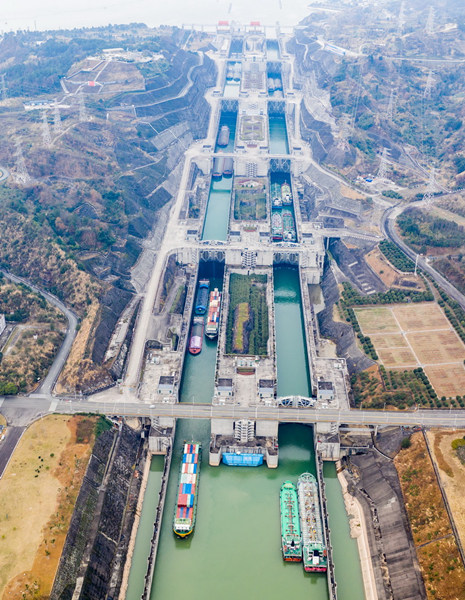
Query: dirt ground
451, 472
413, 335
388, 274
37, 497
440, 563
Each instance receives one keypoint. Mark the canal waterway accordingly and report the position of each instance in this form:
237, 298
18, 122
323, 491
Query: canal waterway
218, 207
272, 50
278, 134
229, 119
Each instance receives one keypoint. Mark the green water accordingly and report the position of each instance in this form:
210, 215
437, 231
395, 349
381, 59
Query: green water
292, 365
235, 551
218, 206
278, 134
145, 530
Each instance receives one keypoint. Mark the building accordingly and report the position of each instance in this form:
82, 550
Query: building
2, 324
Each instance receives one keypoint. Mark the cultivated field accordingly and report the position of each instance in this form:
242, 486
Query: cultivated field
417, 335
37, 496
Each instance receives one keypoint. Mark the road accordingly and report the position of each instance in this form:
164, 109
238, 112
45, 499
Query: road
387, 227
49, 381
7, 446
426, 418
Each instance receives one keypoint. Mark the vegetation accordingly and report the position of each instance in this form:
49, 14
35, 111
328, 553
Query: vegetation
422, 229
31, 348
351, 297
396, 257
247, 296
365, 341
249, 200
382, 388
452, 309
438, 555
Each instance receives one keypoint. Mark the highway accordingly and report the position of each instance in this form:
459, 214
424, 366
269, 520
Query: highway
387, 226
423, 418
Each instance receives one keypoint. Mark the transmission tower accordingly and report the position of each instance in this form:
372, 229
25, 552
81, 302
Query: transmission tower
22, 176
391, 105
57, 128
429, 27
82, 108
4, 94
431, 188
46, 137
383, 165
401, 19
429, 85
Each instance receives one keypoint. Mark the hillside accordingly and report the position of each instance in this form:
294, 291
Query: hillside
88, 177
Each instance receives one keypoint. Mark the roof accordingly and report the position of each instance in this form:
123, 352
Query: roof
325, 385
225, 384
266, 384
166, 381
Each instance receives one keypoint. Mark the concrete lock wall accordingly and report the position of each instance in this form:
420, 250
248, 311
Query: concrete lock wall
266, 428
222, 427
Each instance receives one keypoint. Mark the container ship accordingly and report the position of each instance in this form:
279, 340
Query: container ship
218, 167
276, 199
286, 194
213, 320
188, 489
223, 136
277, 226
314, 548
291, 541
196, 337
201, 301
289, 232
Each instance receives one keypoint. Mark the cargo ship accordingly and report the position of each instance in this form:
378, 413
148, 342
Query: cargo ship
218, 167
289, 232
313, 542
276, 199
286, 194
228, 166
223, 136
213, 320
291, 541
276, 226
201, 301
196, 337
188, 488
270, 83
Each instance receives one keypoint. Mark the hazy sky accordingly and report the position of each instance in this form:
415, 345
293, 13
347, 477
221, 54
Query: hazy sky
57, 14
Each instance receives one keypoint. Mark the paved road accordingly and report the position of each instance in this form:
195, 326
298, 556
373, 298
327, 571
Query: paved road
12, 437
387, 226
48, 383
430, 418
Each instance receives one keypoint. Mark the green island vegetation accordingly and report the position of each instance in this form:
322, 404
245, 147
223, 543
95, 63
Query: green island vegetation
32, 345
352, 297
452, 309
249, 199
421, 229
396, 257
397, 388
247, 328
392, 194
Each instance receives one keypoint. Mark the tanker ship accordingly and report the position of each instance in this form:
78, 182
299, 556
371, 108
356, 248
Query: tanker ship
314, 548
188, 488
291, 542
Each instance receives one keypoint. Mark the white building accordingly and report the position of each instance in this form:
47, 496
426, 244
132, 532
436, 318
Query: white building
2, 324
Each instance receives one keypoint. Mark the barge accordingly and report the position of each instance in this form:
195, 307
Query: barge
277, 226
185, 510
218, 167
196, 337
202, 297
276, 199
313, 542
223, 136
291, 541
228, 166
